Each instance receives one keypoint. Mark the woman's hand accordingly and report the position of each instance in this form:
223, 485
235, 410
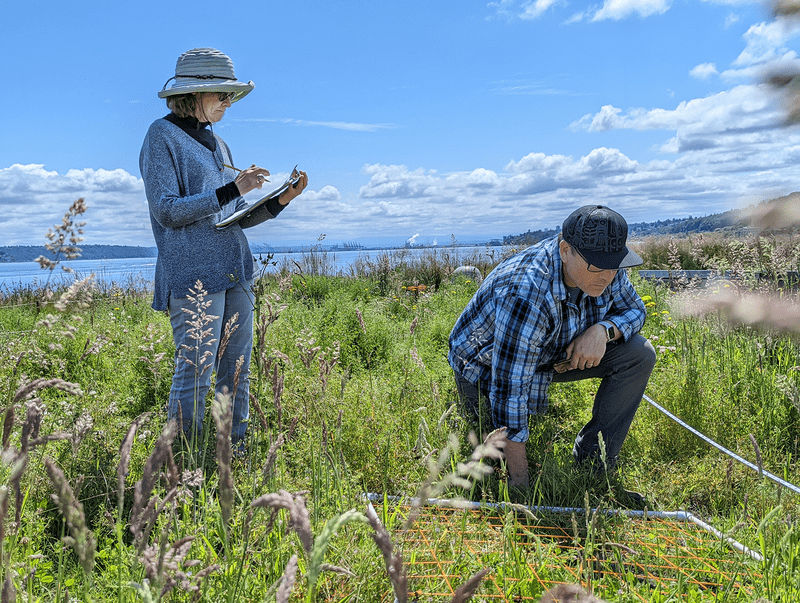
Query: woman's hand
294, 190
252, 178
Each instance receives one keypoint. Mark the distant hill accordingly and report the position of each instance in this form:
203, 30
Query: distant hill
28, 253
729, 220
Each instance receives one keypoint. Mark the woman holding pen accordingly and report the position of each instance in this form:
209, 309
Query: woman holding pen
191, 186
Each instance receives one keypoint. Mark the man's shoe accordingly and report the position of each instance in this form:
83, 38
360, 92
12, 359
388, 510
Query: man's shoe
637, 499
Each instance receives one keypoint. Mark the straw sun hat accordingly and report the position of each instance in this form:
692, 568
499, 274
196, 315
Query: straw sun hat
205, 70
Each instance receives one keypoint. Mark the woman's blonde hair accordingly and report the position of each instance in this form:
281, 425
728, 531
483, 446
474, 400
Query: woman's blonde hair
182, 105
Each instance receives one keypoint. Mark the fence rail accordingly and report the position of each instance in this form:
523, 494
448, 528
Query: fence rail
678, 278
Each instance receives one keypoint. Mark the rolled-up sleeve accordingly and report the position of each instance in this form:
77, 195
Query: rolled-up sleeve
627, 310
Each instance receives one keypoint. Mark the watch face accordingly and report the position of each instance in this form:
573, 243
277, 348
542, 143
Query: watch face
610, 333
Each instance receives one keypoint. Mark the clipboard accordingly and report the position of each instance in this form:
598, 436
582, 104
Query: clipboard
249, 209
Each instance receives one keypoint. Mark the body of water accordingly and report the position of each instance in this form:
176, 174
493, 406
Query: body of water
141, 271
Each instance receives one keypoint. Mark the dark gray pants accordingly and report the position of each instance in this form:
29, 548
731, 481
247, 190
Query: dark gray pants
624, 370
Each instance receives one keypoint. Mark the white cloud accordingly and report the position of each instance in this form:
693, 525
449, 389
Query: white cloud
712, 120
349, 126
731, 2
341, 125
611, 9
396, 180
703, 71
535, 9
763, 42
326, 193
730, 20
35, 199
621, 9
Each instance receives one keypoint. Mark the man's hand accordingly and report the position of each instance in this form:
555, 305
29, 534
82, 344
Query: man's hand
588, 348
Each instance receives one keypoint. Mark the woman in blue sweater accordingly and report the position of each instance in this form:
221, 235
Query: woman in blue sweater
204, 274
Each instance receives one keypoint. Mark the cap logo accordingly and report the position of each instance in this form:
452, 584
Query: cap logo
595, 231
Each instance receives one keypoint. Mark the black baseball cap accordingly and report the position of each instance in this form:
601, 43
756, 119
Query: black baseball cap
600, 234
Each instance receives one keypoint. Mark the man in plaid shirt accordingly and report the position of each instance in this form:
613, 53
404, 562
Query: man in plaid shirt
561, 310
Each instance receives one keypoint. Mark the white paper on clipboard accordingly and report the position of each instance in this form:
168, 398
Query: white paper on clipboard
247, 210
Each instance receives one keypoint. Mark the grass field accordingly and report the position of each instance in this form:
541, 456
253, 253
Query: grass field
352, 394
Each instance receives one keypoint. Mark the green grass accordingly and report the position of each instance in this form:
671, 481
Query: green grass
351, 373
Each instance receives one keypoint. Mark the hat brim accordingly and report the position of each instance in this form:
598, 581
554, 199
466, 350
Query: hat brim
624, 258
241, 89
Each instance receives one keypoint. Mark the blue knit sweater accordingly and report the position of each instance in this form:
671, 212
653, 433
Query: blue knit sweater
181, 177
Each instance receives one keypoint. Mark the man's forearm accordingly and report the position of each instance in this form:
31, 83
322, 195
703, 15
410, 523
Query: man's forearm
517, 463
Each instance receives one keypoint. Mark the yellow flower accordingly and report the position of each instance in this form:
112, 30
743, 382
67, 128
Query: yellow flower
650, 304
646, 298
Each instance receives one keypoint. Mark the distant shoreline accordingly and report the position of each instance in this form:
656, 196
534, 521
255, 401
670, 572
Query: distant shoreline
728, 221
28, 253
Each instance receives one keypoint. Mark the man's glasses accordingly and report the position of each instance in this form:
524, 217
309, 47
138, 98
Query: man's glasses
223, 96
589, 267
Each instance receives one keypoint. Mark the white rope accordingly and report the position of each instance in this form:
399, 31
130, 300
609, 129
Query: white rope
730, 453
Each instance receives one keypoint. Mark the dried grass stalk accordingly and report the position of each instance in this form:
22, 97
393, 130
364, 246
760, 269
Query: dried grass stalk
27, 389
393, 561
125, 456
222, 411
759, 311
3, 511
18, 466
299, 519
259, 411
9, 592
228, 330
465, 591
8, 425
287, 581
775, 214
272, 456
568, 593
465, 473
144, 487
82, 539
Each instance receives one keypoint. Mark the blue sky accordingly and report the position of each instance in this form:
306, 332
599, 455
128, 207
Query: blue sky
414, 120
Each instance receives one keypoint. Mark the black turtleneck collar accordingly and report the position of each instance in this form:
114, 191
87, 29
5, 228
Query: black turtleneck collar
198, 130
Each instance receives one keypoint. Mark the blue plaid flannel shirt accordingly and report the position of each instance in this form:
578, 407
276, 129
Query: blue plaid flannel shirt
519, 322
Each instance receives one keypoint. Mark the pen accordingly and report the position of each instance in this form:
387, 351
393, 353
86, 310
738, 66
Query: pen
238, 170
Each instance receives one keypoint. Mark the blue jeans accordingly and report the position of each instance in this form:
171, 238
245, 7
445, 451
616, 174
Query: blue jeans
197, 343
625, 370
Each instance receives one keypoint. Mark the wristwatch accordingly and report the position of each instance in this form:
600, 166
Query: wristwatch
610, 331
